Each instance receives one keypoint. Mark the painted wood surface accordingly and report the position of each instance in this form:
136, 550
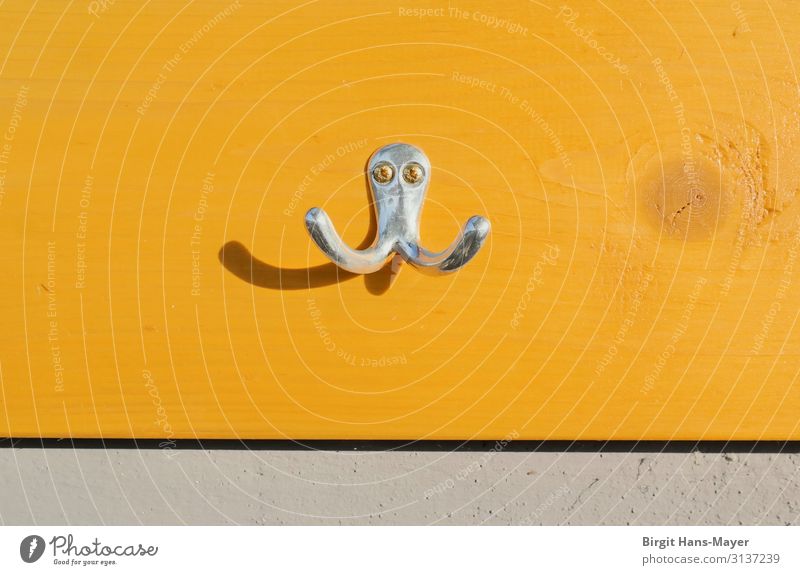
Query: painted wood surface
638, 162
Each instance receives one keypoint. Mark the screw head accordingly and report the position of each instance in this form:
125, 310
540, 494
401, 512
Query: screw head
383, 173
413, 173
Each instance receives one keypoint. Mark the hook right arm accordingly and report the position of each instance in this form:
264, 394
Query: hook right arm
323, 233
463, 249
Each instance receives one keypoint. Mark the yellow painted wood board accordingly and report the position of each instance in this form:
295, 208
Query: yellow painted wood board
637, 162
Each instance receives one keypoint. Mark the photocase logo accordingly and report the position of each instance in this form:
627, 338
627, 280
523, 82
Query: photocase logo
31, 548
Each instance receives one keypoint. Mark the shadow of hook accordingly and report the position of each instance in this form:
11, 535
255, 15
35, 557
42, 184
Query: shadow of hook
238, 260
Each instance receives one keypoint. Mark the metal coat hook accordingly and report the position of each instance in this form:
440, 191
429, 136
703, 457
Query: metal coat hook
398, 178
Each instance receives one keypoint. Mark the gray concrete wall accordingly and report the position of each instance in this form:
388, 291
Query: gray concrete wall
437, 484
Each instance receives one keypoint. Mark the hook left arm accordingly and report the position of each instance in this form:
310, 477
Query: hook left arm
321, 229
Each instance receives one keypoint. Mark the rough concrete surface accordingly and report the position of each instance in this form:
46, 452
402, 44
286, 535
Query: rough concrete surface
475, 485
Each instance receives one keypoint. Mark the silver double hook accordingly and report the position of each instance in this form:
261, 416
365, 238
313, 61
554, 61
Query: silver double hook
398, 178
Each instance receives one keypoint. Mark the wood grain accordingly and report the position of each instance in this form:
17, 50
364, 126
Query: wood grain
637, 162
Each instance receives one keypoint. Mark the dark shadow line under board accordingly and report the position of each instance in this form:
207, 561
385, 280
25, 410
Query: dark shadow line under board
424, 446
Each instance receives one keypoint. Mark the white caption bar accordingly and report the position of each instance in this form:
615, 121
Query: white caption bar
400, 550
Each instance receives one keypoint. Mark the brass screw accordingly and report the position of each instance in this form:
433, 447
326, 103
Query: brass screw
383, 173
412, 173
